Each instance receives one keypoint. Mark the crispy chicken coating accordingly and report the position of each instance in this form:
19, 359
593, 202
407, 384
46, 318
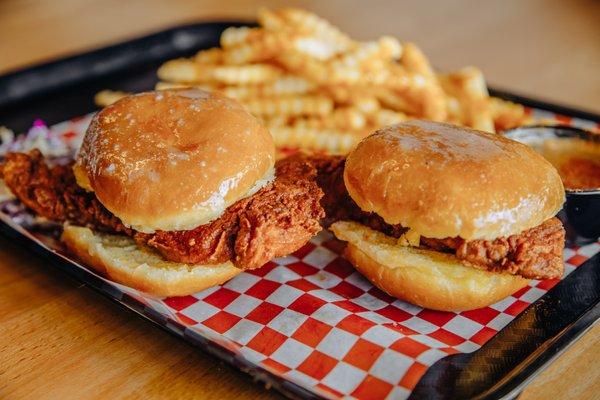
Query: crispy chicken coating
51, 192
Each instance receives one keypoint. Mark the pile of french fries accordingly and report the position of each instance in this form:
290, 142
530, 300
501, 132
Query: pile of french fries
317, 89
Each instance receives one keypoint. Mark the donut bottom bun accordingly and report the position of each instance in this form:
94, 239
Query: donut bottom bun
426, 278
122, 260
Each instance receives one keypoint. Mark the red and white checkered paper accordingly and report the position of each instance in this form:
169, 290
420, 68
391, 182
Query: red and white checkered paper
311, 319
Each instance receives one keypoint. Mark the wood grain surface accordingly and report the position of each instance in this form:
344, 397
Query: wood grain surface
59, 340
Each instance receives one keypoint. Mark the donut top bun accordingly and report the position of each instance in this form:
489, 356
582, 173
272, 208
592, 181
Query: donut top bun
174, 160
446, 181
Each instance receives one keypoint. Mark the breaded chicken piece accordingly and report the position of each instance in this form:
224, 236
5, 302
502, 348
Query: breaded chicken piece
51, 192
273, 222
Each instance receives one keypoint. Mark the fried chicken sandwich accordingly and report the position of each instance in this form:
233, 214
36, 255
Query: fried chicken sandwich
172, 192
444, 217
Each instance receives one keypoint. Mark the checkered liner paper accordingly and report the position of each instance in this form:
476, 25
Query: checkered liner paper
311, 319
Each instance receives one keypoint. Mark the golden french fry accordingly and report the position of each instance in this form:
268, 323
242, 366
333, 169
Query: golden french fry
289, 84
246, 53
468, 87
414, 61
332, 141
432, 100
507, 115
348, 118
235, 36
386, 48
286, 85
392, 76
107, 97
366, 104
344, 119
384, 117
317, 48
389, 47
256, 52
307, 22
423, 96
359, 98
272, 121
297, 63
184, 70
291, 105
356, 76
265, 46
269, 20
242, 92
454, 109
420, 99
341, 94
210, 56
246, 74
177, 85
396, 101
310, 123
161, 85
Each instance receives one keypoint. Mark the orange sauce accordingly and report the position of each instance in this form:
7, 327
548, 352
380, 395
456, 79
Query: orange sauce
577, 161
580, 173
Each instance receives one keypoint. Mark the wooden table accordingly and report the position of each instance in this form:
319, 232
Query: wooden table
61, 340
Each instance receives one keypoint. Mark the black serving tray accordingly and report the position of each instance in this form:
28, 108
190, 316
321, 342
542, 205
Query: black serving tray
64, 88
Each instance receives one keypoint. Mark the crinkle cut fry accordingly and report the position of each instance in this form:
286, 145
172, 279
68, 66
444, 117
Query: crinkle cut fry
274, 222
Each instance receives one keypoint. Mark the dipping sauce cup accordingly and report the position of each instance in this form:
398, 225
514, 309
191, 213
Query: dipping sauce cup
576, 155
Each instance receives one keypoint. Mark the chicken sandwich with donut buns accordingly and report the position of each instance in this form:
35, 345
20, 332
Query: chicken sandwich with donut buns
172, 192
445, 217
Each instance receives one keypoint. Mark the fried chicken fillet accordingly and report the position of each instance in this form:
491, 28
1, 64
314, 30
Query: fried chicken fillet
273, 222
535, 253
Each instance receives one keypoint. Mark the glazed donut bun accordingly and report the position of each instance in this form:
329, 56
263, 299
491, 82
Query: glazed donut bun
427, 278
174, 159
442, 180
